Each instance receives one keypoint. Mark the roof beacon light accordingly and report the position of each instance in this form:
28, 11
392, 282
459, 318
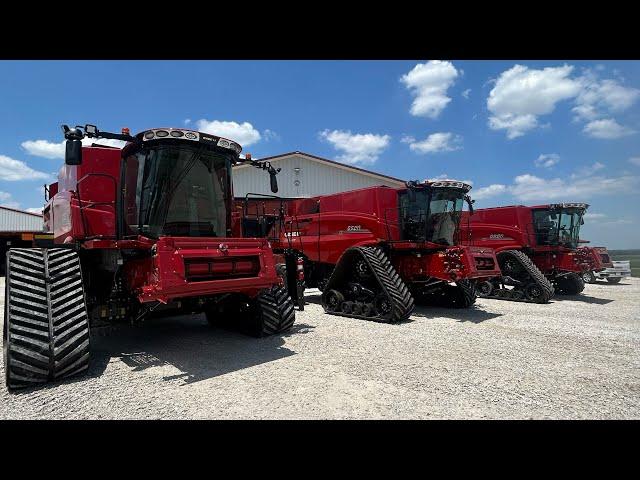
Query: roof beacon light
570, 205
449, 184
125, 131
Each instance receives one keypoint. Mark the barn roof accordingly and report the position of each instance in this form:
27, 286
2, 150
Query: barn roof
318, 159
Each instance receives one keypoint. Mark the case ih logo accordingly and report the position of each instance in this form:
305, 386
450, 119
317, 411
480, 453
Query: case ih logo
496, 236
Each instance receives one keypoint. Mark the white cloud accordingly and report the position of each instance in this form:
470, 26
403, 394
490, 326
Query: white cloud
14, 170
606, 128
588, 170
270, 135
619, 221
6, 200
357, 148
43, 148
487, 192
592, 216
579, 186
35, 210
599, 97
436, 142
547, 160
429, 83
46, 149
529, 187
466, 93
520, 95
635, 161
243, 133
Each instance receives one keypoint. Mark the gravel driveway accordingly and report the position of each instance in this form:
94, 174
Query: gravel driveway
577, 357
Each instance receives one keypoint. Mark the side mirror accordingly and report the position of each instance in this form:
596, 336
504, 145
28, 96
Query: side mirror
470, 203
73, 153
274, 181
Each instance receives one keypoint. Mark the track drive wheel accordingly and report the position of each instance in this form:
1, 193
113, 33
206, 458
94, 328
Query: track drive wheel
46, 326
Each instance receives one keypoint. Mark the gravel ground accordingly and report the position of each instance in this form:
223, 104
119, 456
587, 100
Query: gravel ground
577, 357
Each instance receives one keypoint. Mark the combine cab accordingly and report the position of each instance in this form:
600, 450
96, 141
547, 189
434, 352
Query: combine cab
373, 252
138, 232
537, 248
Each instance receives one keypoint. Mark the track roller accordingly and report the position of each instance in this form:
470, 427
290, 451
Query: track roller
46, 326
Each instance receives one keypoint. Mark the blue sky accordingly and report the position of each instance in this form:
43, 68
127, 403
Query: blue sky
525, 132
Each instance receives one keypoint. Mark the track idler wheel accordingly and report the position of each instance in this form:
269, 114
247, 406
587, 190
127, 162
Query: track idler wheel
334, 301
533, 292
383, 305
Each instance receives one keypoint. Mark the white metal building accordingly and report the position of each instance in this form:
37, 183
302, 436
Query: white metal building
306, 175
12, 220
17, 229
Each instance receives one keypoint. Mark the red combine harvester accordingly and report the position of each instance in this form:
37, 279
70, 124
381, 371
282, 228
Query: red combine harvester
537, 248
374, 250
142, 231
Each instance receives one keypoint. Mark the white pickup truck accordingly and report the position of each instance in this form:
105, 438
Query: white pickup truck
620, 270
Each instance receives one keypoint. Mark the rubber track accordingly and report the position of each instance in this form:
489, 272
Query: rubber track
45, 316
389, 281
275, 310
536, 275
